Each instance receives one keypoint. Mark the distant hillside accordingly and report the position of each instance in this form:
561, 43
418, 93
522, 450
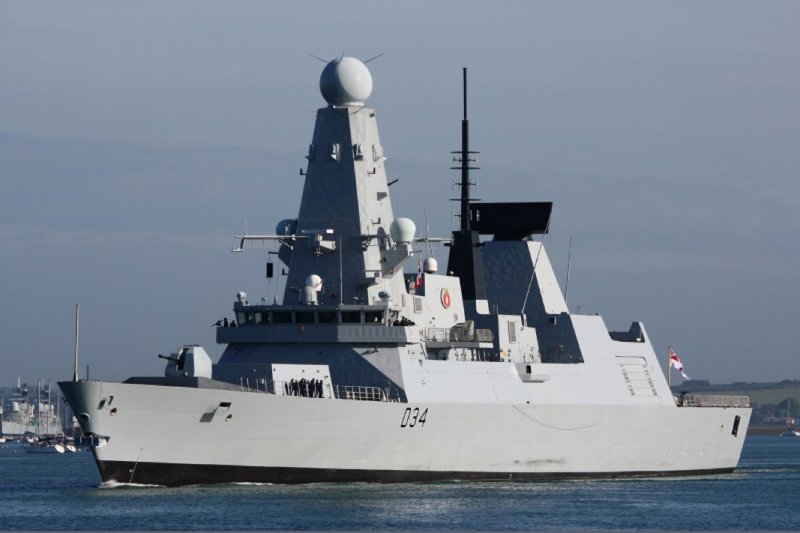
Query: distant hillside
773, 403
760, 393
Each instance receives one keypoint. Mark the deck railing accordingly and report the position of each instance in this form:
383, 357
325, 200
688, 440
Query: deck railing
350, 392
437, 334
713, 400
321, 390
451, 335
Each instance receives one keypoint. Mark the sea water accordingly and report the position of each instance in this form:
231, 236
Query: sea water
64, 492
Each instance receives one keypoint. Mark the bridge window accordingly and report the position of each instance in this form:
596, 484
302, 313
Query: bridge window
282, 317
351, 317
244, 318
326, 317
304, 317
373, 317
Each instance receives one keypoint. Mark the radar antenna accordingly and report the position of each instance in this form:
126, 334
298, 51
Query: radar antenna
373, 58
319, 58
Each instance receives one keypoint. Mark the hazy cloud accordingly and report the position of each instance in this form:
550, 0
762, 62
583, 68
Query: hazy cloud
139, 137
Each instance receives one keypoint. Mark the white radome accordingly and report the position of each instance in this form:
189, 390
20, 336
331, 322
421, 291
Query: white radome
431, 265
403, 230
314, 281
346, 81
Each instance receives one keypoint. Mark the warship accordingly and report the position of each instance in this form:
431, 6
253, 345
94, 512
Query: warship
19, 416
374, 366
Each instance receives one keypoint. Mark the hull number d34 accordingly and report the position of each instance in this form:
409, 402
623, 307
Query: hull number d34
412, 417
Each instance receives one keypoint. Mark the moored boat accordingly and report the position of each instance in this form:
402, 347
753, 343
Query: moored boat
44, 447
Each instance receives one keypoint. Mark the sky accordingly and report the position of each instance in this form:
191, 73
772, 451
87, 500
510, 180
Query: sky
136, 138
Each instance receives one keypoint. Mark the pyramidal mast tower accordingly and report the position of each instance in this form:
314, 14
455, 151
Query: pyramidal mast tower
343, 232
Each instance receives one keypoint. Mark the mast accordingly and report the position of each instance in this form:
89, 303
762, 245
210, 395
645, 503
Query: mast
49, 406
38, 407
464, 259
75, 363
465, 168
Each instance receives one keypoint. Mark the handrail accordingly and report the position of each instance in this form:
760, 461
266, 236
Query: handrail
455, 335
319, 389
712, 400
437, 334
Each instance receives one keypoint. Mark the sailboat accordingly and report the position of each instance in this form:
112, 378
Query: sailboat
44, 446
790, 430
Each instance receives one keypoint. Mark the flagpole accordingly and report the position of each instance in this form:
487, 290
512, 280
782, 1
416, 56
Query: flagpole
669, 369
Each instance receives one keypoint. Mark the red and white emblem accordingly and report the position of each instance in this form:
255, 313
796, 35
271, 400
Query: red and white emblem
445, 296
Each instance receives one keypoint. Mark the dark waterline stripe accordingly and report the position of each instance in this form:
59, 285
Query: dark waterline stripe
173, 475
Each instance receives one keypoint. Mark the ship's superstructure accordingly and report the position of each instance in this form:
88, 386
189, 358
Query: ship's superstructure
364, 372
21, 413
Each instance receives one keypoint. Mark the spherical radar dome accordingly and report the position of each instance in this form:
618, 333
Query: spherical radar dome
345, 81
402, 230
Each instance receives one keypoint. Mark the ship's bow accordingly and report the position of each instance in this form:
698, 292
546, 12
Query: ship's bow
85, 398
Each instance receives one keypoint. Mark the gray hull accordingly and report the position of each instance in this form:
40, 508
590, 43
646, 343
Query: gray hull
231, 436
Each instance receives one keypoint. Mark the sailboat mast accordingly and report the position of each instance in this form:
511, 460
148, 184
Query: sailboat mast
49, 419
38, 407
77, 323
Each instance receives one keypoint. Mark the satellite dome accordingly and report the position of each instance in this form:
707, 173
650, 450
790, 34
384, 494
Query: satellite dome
309, 294
431, 265
402, 230
345, 81
314, 281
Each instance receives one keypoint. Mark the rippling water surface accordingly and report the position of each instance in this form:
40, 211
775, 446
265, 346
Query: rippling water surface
64, 492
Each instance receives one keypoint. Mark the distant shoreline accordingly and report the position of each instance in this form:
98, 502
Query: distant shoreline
765, 430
